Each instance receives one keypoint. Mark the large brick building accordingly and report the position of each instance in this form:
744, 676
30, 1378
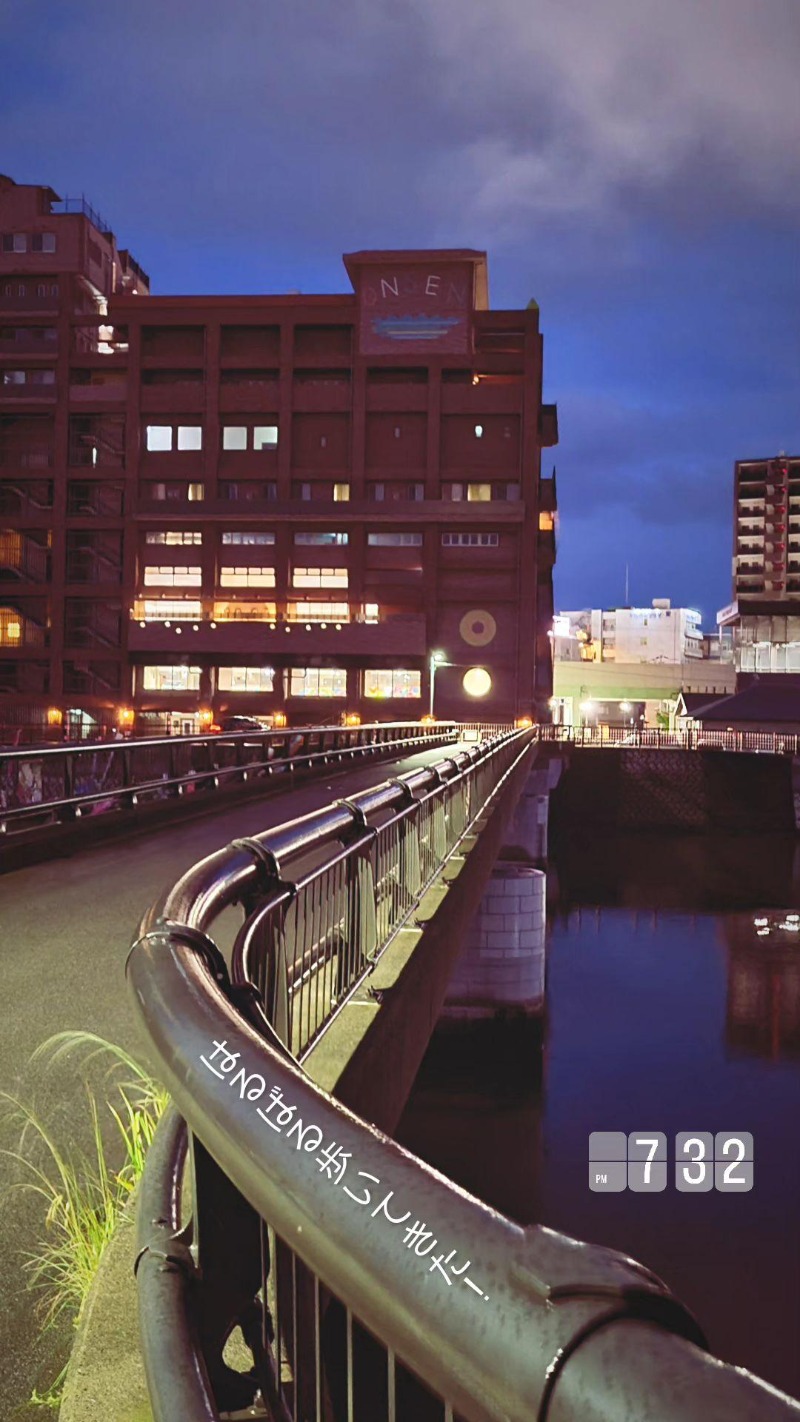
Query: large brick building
265, 504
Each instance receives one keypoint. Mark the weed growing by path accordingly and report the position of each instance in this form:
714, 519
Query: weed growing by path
82, 1189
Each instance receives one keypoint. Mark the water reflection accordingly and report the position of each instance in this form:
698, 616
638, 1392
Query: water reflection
763, 1013
668, 1009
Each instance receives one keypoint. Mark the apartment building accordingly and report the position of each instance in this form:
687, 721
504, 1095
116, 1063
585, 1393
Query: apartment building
659, 633
285, 506
764, 616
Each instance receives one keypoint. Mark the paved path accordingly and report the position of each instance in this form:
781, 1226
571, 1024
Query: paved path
65, 928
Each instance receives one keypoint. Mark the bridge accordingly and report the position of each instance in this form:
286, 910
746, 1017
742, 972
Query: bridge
365, 1284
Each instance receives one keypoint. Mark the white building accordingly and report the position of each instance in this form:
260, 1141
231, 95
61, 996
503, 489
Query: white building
660, 633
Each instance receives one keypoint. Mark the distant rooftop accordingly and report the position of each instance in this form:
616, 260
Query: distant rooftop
80, 205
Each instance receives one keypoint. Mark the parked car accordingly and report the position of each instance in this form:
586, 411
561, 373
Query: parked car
242, 723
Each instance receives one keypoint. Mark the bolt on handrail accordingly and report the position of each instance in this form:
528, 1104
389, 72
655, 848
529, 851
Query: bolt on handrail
327, 1222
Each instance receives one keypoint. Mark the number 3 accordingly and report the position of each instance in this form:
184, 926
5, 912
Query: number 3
697, 1160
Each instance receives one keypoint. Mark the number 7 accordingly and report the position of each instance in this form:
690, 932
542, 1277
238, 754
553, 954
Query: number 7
653, 1144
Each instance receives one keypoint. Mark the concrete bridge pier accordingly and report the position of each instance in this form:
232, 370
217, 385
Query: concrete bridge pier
501, 970
526, 838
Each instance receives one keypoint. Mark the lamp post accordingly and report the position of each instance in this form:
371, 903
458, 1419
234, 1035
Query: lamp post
436, 659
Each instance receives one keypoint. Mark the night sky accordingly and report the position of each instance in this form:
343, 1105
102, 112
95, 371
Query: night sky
631, 164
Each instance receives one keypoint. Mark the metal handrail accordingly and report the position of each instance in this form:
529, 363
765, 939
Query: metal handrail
532, 1324
655, 738
523, 1325
46, 781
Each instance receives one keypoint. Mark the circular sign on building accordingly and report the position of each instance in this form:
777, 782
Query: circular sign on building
477, 628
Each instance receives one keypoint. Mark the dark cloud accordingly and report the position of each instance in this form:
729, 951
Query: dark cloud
633, 164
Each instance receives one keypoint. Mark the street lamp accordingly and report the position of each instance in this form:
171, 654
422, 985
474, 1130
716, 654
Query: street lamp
436, 659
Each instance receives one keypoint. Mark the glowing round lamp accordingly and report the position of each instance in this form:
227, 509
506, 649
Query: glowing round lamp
477, 681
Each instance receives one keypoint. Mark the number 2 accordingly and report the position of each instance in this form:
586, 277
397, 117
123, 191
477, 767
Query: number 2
728, 1175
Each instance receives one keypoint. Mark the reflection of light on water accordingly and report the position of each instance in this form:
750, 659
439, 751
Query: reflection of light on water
789, 923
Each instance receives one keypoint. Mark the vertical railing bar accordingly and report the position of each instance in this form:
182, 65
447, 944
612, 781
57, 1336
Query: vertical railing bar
317, 1353
295, 1349
391, 1386
448, 1411
277, 1319
263, 1242
306, 975
350, 1412
315, 935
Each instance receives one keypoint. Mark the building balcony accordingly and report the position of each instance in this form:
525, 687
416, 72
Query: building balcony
485, 398
28, 395
188, 396
29, 301
322, 397
91, 396
29, 344
409, 511
399, 399
401, 635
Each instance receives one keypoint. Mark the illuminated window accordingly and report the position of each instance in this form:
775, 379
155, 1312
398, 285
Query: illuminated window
238, 437
195, 492
14, 377
372, 612
15, 242
43, 242
10, 627
396, 683
173, 576
167, 609
341, 493
234, 437
394, 540
479, 431
546, 521
319, 578
318, 681
319, 612
479, 493
159, 437
245, 678
321, 539
248, 539
240, 611
243, 577
178, 678
177, 537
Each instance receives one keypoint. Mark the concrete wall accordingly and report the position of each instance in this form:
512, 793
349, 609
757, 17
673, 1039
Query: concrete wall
673, 789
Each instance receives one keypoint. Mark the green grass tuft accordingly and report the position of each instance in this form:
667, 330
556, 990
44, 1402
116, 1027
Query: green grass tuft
82, 1191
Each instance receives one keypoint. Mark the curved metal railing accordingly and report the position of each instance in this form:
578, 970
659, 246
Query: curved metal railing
57, 783
365, 1284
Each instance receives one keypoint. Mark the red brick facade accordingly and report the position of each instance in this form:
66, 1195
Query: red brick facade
260, 504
